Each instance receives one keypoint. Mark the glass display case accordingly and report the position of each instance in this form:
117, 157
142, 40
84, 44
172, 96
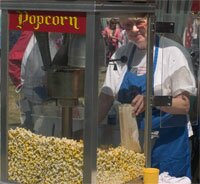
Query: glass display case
57, 91
54, 59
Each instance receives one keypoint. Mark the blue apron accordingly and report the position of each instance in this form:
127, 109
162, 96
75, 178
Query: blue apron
171, 152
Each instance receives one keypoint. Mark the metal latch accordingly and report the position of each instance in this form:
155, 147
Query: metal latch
165, 27
154, 134
161, 101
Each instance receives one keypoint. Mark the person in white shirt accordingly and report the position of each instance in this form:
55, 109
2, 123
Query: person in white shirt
172, 76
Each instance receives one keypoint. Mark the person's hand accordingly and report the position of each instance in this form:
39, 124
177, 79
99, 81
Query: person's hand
138, 105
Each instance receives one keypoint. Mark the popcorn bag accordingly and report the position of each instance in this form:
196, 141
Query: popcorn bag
128, 128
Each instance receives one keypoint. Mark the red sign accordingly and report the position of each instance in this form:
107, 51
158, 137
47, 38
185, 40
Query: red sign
195, 5
64, 22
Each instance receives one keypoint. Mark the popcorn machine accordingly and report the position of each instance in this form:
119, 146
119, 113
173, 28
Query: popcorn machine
75, 76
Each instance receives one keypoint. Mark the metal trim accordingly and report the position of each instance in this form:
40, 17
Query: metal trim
149, 90
4, 96
91, 100
79, 6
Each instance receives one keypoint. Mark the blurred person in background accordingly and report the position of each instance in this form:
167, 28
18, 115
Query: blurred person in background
112, 37
27, 74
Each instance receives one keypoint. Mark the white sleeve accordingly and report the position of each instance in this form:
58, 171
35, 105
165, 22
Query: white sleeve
113, 79
27, 52
181, 73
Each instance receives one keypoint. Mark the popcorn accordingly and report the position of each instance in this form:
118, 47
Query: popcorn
36, 159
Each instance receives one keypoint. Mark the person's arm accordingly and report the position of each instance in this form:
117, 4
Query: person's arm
105, 103
180, 104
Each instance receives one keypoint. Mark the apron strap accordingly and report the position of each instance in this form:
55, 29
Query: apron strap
156, 52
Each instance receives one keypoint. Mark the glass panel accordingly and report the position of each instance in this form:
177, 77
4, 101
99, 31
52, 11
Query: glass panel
177, 79
120, 150
46, 107
119, 126
46, 132
185, 33
191, 42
